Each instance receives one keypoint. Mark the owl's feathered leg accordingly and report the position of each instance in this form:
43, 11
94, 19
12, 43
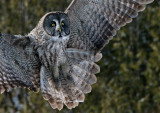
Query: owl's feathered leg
54, 78
65, 73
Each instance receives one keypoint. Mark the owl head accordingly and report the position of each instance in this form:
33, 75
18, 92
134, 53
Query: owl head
53, 26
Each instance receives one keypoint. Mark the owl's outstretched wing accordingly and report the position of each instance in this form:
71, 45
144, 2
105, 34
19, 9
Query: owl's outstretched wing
19, 63
95, 22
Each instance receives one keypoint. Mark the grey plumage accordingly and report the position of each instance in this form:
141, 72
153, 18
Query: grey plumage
58, 56
95, 22
19, 64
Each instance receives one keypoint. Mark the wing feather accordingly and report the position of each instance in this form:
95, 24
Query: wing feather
19, 63
95, 22
93, 25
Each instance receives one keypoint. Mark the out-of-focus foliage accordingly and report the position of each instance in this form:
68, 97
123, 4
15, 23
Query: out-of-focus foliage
129, 81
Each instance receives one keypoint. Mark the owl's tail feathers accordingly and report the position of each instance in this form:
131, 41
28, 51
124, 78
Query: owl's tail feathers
70, 96
83, 68
49, 93
68, 93
54, 99
83, 77
83, 64
77, 83
83, 74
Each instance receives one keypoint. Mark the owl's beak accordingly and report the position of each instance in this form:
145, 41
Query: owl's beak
60, 30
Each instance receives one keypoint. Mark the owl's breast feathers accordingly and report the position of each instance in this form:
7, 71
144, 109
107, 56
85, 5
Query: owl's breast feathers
52, 54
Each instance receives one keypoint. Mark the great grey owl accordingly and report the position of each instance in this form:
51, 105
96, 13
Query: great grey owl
58, 56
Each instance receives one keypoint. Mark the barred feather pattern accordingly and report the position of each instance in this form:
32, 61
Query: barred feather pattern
95, 22
19, 65
69, 93
64, 67
65, 78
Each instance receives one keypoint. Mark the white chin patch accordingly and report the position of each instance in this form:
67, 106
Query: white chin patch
63, 39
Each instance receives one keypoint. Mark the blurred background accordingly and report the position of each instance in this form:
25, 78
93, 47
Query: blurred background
129, 81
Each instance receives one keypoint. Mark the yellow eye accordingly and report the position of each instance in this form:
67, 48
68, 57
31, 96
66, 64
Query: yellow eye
53, 24
62, 23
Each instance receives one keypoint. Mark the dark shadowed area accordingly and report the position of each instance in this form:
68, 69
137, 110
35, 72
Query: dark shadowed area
129, 81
